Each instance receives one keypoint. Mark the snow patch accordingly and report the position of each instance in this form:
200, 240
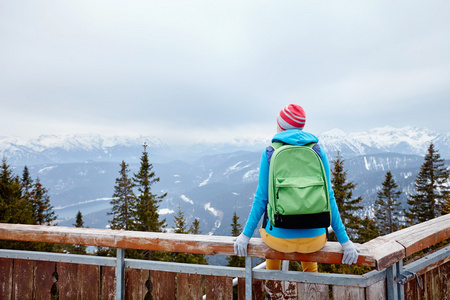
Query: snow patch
205, 182
215, 212
251, 175
46, 169
165, 211
235, 168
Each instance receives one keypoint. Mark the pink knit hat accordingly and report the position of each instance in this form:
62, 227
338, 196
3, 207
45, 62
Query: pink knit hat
291, 117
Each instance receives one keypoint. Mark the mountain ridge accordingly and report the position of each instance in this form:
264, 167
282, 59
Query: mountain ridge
96, 147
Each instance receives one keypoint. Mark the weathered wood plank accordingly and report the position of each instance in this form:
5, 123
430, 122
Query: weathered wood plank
376, 291
313, 291
446, 279
6, 277
108, 283
258, 289
410, 290
241, 289
348, 292
44, 279
281, 290
189, 286
172, 242
420, 236
163, 285
23, 278
219, 288
135, 281
385, 251
67, 280
88, 282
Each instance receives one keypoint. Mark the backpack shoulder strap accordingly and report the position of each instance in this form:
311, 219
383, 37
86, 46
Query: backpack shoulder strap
271, 149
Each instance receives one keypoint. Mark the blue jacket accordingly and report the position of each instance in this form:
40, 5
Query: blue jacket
292, 137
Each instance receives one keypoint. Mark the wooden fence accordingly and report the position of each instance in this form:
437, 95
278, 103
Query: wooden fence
36, 275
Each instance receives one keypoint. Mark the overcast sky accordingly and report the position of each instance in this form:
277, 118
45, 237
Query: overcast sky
220, 69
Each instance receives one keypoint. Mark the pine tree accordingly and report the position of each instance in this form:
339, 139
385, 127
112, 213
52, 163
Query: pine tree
123, 202
43, 210
343, 193
27, 182
14, 208
195, 227
79, 223
236, 229
387, 208
147, 216
432, 190
446, 209
180, 227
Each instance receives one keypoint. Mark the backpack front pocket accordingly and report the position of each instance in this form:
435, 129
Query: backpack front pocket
300, 195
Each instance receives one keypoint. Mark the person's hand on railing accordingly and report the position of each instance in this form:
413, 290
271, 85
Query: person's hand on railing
350, 253
240, 245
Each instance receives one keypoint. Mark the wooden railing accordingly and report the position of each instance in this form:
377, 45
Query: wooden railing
390, 279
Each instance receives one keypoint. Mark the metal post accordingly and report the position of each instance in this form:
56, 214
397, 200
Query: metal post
120, 274
395, 290
248, 278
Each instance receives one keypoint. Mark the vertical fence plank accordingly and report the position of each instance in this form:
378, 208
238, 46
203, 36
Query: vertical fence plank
108, 283
281, 289
219, 287
241, 289
312, 291
23, 278
446, 278
377, 291
348, 292
44, 280
258, 289
88, 282
6, 274
163, 285
67, 280
189, 286
135, 283
411, 290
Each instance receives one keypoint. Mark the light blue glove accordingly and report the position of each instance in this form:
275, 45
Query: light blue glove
350, 253
240, 245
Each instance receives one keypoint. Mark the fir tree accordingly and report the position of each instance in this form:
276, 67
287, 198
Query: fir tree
123, 202
147, 216
236, 229
14, 208
446, 209
343, 193
43, 210
195, 227
387, 208
27, 182
79, 223
180, 227
432, 190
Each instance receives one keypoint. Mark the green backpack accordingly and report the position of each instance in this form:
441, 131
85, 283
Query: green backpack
298, 189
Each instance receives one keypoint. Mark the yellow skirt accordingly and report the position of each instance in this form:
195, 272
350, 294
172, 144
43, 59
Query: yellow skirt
301, 245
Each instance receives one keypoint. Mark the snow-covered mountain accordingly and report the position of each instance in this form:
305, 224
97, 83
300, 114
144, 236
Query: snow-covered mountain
76, 148
94, 147
406, 140
208, 181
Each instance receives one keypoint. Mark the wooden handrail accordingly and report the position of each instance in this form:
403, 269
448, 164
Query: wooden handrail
391, 248
380, 252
